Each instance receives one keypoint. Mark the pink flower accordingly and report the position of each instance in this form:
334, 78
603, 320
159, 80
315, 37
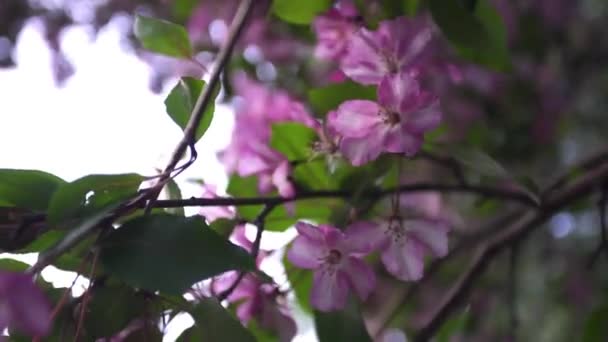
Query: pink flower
405, 238
396, 124
333, 30
261, 302
23, 306
336, 260
398, 45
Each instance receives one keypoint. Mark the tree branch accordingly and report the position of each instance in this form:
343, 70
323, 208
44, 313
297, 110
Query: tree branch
603, 245
504, 239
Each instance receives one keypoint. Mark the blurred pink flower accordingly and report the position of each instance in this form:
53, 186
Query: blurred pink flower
396, 124
404, 238
335, 257
214, 213
398, 45
23, 306
334, 29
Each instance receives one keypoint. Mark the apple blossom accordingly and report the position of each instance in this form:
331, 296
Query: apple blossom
335, 257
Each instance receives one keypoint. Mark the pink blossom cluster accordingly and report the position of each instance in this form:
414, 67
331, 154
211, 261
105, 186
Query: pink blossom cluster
404, 238
395, 57
249, 152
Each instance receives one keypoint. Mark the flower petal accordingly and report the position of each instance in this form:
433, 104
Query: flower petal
403, 141
363, 237
426, 117
329, 290
363, 62
398, 92
361, 276
355, 118
30, 311
431, 233
404, 261
310, 231
362, 150
306, 253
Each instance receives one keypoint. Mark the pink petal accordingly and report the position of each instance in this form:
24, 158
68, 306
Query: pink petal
29, 309
355, 118
333, 237
246, 310
361, 150
311, 232
363, 237
398, 92
404, 261
401, 141
393, 335
306, 253
431, 233
425, 118
281, 181
329, 290
361, 276
363, 63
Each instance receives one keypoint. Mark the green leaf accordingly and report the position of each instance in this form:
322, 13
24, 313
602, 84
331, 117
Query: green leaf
299, 12
224, 226
181, 101
214, 323
452, 327
329, 97
174, 193
111, 309
27, 189
596, 329
89, 194
13, 265
182, 9
479, 37
479, 162
292, 139
162, 37
345, 325
169, 253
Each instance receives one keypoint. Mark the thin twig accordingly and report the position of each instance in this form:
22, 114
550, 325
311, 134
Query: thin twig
512, 292
603, 245
504, 239
206, 96
506, 194
255, 249
85, 297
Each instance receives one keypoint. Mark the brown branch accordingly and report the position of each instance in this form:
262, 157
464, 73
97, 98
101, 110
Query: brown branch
85, 297
206, 96
504, 239
255, 249
603, 245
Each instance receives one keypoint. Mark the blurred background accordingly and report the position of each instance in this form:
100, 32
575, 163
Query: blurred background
79, 96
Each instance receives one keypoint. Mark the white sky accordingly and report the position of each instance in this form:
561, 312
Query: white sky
103, 120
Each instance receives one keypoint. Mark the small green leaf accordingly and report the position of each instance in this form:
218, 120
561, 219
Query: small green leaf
345, 325
224, 226
329, 97
89, 194
452, 327
13, 265
174, 193
181, 101
299, 12
214, 323
169, 253
162, 37
479, 37
27, 189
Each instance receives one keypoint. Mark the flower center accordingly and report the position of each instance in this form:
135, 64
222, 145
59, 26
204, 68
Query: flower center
334, 257
390, 117
396, 230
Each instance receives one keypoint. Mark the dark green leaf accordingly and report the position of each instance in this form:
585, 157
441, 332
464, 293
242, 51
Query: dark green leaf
479, 162
596, 329
224, 226
44, 241
13, 265
300, 12
169, 253
162, 37
182, 9
27, 189
452, 327
111, 309
181, 100
479, 37
329, 97
345, 325
87, 195
214, 323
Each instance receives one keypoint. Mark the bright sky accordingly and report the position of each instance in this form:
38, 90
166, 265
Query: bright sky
103, 120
